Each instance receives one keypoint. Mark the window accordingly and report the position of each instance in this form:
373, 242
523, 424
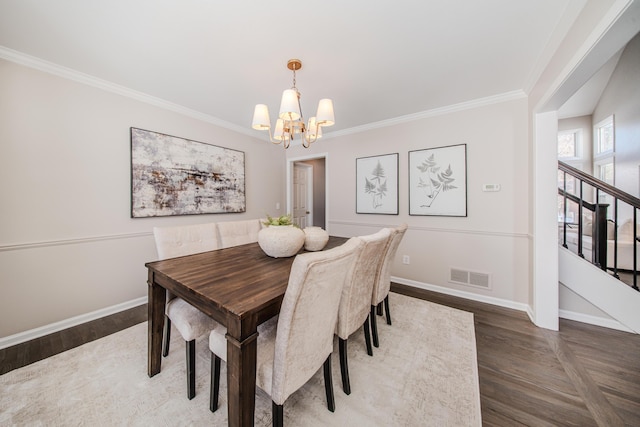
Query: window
572, 207
604, 137
569, 144
604, 156
604, 171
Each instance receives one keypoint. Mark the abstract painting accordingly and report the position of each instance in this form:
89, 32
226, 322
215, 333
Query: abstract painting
438, 181
177, 176
377, 184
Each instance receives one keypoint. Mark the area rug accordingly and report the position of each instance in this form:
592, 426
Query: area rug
423, 374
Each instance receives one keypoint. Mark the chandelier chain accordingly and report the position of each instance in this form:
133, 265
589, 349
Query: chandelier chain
294, 80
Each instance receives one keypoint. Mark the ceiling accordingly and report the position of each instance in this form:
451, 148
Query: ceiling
378, 60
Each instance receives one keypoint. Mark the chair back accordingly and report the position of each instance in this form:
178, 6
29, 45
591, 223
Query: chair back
235, 233
183, 240
308, 316
383, 280
355, 303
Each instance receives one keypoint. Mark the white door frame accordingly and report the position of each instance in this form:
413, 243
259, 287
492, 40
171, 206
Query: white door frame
290, 162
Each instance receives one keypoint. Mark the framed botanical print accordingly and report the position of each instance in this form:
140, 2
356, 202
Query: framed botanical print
377, 184
438, 181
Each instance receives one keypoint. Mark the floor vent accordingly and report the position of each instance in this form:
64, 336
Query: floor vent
473, 278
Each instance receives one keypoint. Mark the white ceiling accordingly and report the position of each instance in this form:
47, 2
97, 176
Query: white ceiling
378, 60
585, 100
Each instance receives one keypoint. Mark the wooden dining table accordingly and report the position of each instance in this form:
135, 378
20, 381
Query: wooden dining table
240, 287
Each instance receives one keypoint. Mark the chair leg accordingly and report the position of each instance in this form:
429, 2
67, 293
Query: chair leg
386, 309
166, 336
191, 369
215, 382
379, 309
374, 326
278, 414
344, 368
328, 385
367, 337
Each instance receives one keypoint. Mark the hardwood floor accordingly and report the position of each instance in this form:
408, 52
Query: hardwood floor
582, 375
31, 351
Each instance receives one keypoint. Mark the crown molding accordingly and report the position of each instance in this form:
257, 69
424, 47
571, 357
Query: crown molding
70, 74
440, 111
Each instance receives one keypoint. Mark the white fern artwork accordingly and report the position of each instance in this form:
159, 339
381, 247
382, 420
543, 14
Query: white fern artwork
438, 181
377, 184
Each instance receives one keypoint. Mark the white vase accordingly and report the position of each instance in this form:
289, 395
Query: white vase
315, 238
281, 241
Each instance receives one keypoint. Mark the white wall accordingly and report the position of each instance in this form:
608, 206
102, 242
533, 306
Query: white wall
620, 99
68, 245
491, 239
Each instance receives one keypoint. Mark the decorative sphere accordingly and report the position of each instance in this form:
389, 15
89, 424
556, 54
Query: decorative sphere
315, 238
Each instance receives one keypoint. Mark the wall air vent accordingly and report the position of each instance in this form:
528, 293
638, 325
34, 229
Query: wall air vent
471, 278
459, 276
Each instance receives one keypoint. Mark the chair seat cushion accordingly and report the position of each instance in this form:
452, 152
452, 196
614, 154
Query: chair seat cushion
266, 350
188, 320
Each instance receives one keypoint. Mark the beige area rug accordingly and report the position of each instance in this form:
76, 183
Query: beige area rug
423, 374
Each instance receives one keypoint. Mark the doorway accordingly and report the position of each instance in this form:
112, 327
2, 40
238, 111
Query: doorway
307, 190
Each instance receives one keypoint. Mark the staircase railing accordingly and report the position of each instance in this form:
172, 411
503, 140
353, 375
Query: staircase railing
600, 238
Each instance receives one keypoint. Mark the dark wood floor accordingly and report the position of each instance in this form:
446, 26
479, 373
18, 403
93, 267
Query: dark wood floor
31, 351
582, 375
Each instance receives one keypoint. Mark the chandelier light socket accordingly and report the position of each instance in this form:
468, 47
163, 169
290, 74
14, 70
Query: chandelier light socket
289, 107
325, 115
261, 119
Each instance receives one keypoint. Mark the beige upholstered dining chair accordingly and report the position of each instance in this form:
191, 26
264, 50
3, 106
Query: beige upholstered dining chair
235, 233
355, 302
190, 322
383, 281
294, 345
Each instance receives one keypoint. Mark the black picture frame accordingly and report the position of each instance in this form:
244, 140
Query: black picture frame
377, 184
438, 181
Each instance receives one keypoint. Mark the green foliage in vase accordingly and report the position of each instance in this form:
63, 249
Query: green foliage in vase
281, 220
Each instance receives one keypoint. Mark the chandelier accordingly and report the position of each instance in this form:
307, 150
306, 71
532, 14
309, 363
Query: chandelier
290, 121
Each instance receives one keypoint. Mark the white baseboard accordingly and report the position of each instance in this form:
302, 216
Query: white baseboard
564, 314
463, 294
25, 336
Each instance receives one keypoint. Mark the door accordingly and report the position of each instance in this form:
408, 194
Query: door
302, 189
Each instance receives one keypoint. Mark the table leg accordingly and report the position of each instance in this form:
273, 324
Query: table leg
241, 377
155, 307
